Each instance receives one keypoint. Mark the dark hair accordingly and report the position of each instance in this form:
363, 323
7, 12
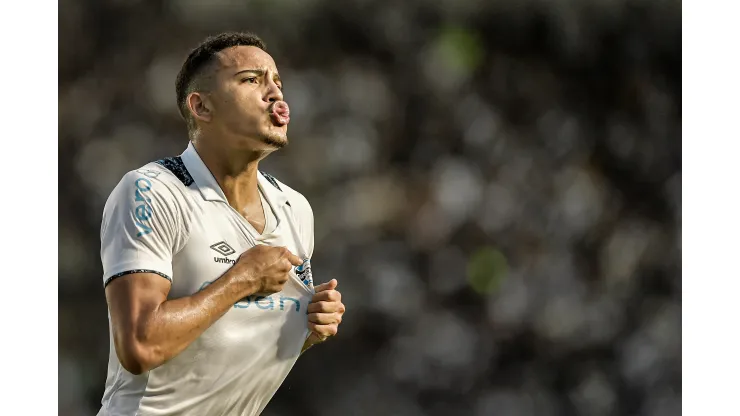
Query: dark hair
200, 57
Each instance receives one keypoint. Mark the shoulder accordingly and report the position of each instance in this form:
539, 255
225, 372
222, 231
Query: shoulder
162, 182
297, 201
174, 169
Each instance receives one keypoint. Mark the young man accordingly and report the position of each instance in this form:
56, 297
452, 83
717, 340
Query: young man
206, 259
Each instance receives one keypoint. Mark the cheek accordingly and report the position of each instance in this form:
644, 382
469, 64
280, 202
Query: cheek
234, 101
237, 112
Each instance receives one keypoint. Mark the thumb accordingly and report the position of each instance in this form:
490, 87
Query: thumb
330, 285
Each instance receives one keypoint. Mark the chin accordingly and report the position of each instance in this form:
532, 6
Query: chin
275, 139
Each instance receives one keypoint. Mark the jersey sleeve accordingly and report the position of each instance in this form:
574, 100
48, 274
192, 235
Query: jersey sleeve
310, 228
306, 221
140, 228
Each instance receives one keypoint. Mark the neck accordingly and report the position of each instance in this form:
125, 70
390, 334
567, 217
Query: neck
235, 172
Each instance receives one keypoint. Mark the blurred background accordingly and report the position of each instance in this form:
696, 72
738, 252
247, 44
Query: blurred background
496, 185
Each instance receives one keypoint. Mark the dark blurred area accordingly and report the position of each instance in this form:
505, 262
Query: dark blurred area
496, 186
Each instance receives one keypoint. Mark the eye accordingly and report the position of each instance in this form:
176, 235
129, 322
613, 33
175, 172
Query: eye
250, 80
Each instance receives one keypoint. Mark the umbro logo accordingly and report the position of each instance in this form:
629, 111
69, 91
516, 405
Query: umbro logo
223, 249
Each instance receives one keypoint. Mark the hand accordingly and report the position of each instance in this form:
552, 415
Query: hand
264, 269
324, 313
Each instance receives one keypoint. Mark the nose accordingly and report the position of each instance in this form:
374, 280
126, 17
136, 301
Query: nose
273, 92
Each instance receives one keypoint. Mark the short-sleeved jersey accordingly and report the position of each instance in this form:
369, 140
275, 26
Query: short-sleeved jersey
171, 218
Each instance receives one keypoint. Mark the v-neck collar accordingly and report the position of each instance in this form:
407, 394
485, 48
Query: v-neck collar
211, 190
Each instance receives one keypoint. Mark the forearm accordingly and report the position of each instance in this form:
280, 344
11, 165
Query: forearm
176, 323
312, 340
306, 346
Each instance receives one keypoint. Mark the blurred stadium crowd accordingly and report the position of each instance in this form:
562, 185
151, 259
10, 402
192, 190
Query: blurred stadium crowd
496, 185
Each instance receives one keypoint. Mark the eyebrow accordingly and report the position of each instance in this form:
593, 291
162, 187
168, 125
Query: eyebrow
260, 72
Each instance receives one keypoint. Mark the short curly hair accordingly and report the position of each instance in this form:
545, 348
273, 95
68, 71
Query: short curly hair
200, 57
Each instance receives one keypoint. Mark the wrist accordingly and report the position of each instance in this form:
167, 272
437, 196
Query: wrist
244, 281
306, 345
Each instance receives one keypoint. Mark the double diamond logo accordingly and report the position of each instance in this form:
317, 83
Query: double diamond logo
223, 249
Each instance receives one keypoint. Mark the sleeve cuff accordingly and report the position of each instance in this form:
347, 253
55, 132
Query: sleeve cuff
127, 272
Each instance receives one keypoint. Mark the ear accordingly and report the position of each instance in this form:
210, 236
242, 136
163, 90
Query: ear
200, 106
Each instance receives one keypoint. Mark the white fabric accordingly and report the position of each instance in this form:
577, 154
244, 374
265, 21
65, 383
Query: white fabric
191, 236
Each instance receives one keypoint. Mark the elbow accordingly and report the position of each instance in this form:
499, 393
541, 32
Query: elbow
133, 365
136, 358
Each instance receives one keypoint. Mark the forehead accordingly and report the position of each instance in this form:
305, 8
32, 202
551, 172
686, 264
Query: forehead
238, 58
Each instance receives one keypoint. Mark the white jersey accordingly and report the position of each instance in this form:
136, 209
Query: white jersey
171, 218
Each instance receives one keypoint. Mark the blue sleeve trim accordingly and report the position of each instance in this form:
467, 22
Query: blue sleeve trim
116, 276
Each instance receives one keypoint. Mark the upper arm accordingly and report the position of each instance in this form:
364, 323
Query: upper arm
140, 234
140, 231
130, 301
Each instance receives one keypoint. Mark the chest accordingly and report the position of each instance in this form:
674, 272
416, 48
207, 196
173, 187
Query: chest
218, 235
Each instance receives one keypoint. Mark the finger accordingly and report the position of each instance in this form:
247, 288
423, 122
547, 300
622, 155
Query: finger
323, 330
327, 295
292, 258
284, 265
324, 306
315, 338
273, 288
324, 318
330, 285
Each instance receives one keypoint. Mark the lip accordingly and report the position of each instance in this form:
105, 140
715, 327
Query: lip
279, 123
281, 118
271, 107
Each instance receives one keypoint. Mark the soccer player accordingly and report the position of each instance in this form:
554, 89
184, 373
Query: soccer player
206, 259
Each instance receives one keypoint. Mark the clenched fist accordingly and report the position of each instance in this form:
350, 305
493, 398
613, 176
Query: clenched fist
264, 269
324, 313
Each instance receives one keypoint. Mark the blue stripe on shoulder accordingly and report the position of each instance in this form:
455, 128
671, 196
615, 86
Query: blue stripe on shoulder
274, 183
272, 180
177, 167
